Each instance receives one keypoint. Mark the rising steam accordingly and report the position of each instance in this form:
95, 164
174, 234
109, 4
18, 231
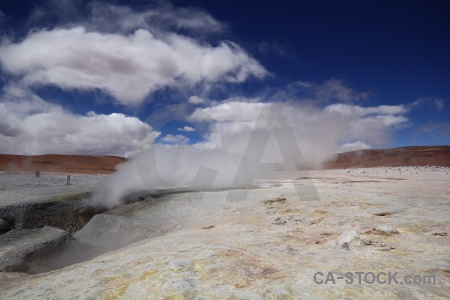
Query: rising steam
248, 141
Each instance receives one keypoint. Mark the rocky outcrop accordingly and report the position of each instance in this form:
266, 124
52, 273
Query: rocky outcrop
61, 213
22, 250
4, 226
346, 239
111, 231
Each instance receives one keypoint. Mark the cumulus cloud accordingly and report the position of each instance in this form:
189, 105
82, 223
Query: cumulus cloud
175, 139
187, 129
128, 67
230, 111
126, 53
195, 100
29, 125
371, 124
320, 131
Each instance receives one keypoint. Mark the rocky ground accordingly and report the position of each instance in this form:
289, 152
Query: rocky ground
28, 202
201, 245
16, 188
37, 215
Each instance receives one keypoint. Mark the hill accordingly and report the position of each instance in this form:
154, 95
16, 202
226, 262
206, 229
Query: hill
393, 157
90, 164
80, 164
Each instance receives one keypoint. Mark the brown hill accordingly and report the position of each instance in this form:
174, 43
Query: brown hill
394, 157
89, 164
80, 164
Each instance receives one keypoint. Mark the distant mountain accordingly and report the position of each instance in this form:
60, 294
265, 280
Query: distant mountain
90, 164
81, 164
393, 157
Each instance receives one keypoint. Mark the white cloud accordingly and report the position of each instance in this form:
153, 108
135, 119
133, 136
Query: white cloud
371, 124
319, 131
128, 67
359, 111
175, 139
30, 125
230, 111
353, 146
195, 100
187, 129
163, 17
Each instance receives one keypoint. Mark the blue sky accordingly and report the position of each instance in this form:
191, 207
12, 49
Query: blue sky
84, 76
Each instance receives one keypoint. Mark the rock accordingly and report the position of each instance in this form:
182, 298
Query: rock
346, 238
383, 229
111, 231
21, 250
279, 200
4, 226
383, 213
440, 233
62, 213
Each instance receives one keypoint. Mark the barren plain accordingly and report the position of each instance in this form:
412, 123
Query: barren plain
368, 233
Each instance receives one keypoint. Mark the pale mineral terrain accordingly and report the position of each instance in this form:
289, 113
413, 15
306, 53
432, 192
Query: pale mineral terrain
270, 244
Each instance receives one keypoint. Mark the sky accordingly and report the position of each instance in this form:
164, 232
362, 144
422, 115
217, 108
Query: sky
111, 77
